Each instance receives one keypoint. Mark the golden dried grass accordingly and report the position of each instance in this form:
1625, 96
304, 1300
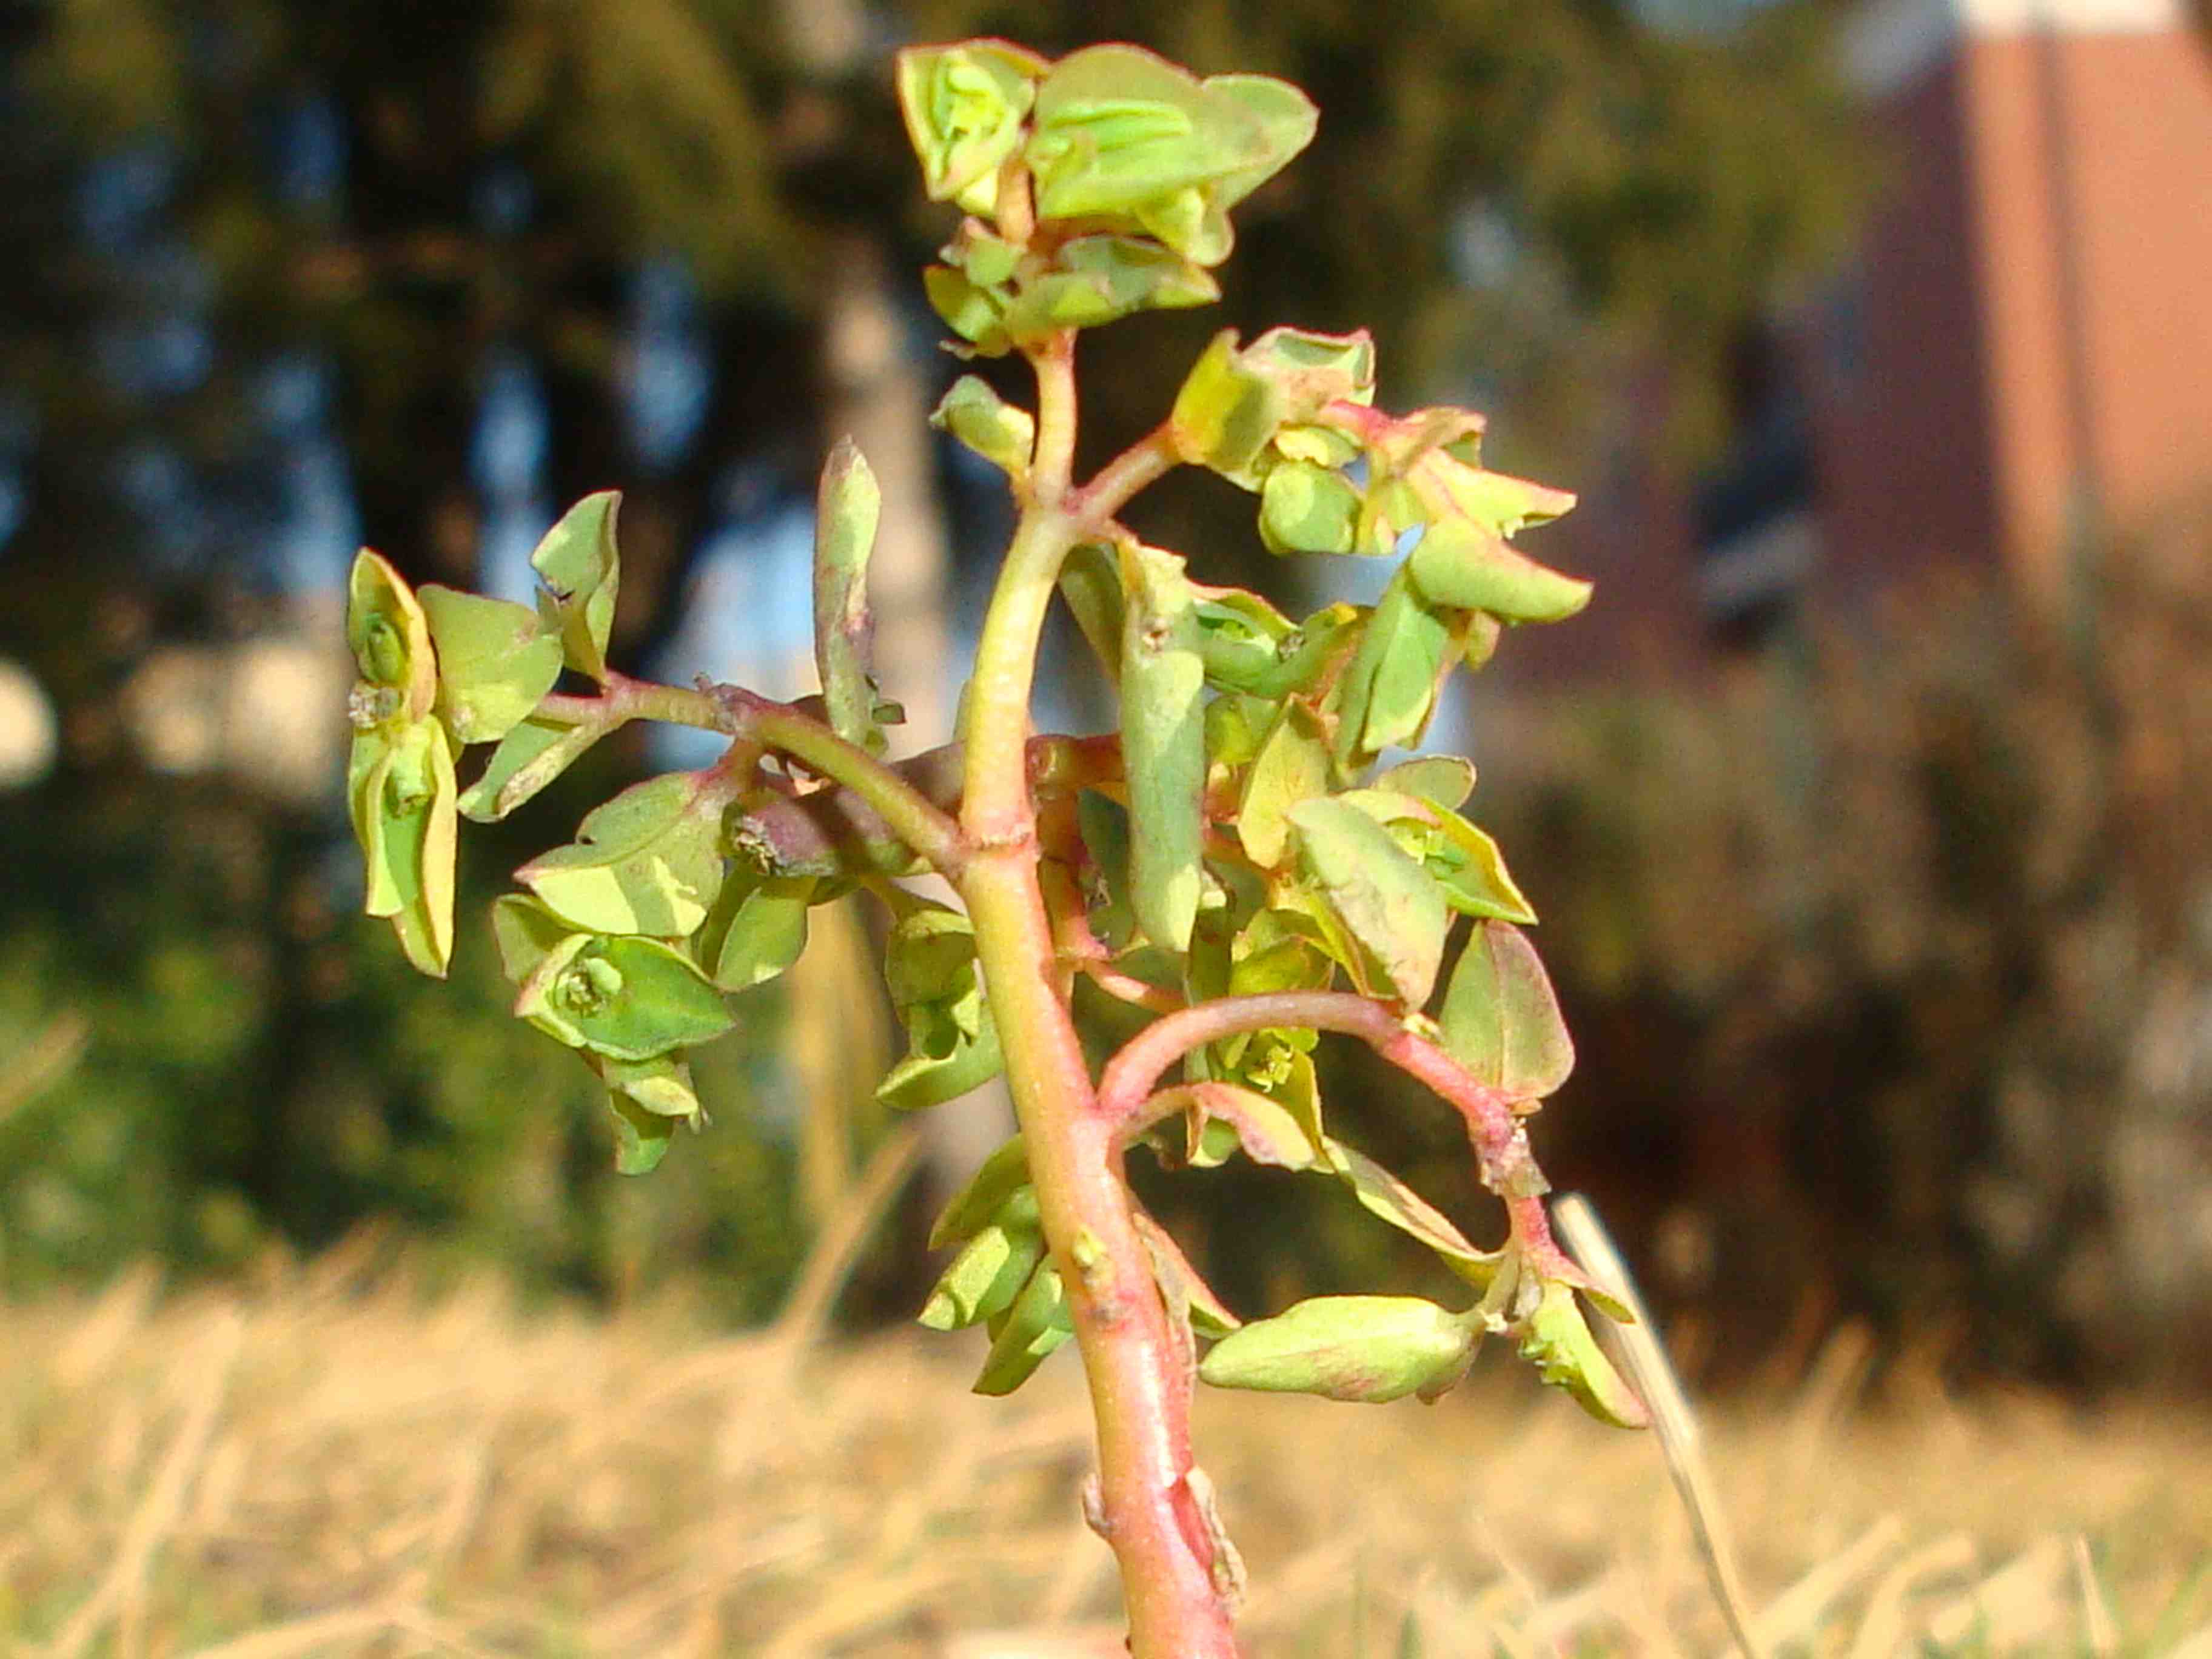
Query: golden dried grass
344, 1463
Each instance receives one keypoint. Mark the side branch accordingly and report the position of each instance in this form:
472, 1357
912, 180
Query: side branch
1501, 1142
910, 814
1142, 464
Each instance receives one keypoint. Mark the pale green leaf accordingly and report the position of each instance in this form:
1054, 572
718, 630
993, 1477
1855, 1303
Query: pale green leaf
1387, 901
846, 509
648, 862
755, 931
964, 105
533, 753
1370, 1348
990, 425
1500, 1019
1162, 744
495, 662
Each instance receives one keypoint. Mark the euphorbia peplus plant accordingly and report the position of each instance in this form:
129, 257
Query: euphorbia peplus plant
1230, 861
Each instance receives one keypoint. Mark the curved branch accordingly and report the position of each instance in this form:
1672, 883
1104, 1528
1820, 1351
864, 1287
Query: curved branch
1509, 1168
909, 813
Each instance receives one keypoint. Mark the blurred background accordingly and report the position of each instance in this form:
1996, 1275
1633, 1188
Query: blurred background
1865, 808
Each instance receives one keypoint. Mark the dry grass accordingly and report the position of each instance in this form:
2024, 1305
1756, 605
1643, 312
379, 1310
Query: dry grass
342, 1463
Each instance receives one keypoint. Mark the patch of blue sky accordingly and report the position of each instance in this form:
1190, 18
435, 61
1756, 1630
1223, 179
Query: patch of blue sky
669, 382
747, 619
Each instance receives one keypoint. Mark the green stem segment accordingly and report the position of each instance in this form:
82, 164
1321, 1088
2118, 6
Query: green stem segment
911, 815
1175, 1581
906, 809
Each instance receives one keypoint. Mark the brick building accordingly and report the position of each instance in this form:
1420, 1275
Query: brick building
2020, 352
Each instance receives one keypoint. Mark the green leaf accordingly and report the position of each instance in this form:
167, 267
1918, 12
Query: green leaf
641, 1137
1389, 903
980, 418
1097, 280
1162, 744
929, 969
532, 755
995, 1180
845, 510
1450, 481
1038, 1322
1275, 953
964, 105
1311, 371
410, 843
1557, 1339
582, 572
1391, 689
1383, 1195
976, 315
526, 933
391, 639
1242, 636
1104, 827
1372, 1348
648, 862
1469, 567
1293, 766
1118, 127
755, 930
993, 1266
1468, 867
1305, 508
1500, 1019
1090, 583
1235, 725
1287, 117
495, 662
1308, 658
623, 997
1119, 132
661, 1085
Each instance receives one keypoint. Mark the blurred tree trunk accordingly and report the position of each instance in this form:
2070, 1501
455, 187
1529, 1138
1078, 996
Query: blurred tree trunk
879, 395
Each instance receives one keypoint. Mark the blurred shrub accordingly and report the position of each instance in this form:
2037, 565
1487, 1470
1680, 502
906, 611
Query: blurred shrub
261, 1069
1891, 968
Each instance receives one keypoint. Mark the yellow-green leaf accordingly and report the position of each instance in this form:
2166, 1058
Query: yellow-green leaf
390, 637
1293, 766
582, 572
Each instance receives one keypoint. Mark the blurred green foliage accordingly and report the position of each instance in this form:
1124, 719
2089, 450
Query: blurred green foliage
263, 1071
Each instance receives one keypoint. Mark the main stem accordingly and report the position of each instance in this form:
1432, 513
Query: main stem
1174, 1583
